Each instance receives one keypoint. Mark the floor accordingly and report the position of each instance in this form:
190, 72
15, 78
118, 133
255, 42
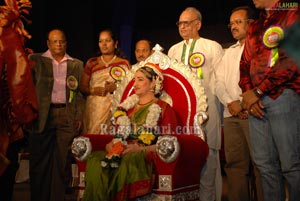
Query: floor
21, 192
22, 187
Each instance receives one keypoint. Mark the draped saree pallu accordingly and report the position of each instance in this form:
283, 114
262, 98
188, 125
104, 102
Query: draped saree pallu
97, 114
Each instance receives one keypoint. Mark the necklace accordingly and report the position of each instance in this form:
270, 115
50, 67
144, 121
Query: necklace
107, 63
142, 104
124, 128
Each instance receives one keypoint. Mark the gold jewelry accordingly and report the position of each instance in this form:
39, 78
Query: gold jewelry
92, 91
142, 104
107, 63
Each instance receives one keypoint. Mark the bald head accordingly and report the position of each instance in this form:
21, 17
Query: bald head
57, 43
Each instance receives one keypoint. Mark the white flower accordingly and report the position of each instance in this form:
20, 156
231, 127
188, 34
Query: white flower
114, 165
124, 126
123, 122
130, 102
104, 164
153, 116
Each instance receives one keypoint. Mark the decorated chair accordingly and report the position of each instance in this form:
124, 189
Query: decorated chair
180, 156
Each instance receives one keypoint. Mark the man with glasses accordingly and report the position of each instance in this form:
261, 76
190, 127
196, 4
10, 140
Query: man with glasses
56, 77
237, 143
202, 56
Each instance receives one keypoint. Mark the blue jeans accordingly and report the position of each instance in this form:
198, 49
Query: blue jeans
276, 146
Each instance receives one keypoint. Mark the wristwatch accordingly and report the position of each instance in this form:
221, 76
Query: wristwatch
258, 92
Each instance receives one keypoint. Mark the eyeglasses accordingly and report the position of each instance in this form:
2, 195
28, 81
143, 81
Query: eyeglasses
185, 23
237, 22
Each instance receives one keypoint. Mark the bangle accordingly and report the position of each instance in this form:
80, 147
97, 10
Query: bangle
92, 91
258, 92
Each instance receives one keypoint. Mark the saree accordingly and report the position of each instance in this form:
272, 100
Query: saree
134, 177
97, 111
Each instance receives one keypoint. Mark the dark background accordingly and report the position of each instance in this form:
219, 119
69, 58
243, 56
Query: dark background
82, 20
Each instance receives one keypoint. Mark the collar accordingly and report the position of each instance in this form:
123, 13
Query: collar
49, 55
190, 41
237, 44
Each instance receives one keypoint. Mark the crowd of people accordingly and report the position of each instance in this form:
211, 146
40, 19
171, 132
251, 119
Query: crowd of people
253, 87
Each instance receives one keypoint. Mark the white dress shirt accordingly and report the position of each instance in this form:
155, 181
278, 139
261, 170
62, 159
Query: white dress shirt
213, 53
228, 76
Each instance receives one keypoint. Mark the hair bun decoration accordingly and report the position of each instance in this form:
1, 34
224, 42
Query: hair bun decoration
155, 68
159, 79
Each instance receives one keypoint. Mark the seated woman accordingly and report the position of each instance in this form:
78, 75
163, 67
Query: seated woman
146, 116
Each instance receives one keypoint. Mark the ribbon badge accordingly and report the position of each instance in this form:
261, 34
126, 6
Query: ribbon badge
72, 84
271, 38
117, 73
196, 60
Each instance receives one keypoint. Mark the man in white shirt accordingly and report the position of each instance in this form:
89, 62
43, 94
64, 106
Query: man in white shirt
237, 144
202, 56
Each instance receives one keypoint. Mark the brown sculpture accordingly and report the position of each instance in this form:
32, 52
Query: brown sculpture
18, 101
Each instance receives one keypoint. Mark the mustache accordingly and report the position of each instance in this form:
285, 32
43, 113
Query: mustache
234, 29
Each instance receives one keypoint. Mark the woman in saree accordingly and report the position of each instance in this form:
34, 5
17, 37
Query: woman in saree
98, 82
125, 170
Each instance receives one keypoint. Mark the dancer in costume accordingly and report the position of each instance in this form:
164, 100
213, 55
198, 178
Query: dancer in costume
124, 170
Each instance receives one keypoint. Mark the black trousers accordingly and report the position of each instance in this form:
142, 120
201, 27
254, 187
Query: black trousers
7, 179
50, 158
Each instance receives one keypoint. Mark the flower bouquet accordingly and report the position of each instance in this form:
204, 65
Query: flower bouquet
113, 157
147, 136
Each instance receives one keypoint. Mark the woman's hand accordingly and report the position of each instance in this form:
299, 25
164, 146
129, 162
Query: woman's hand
132, 148
110, 87
98, 91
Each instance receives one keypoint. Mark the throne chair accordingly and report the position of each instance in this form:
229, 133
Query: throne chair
180, 156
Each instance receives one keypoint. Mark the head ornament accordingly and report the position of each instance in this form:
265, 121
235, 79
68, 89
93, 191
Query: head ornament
158, 79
